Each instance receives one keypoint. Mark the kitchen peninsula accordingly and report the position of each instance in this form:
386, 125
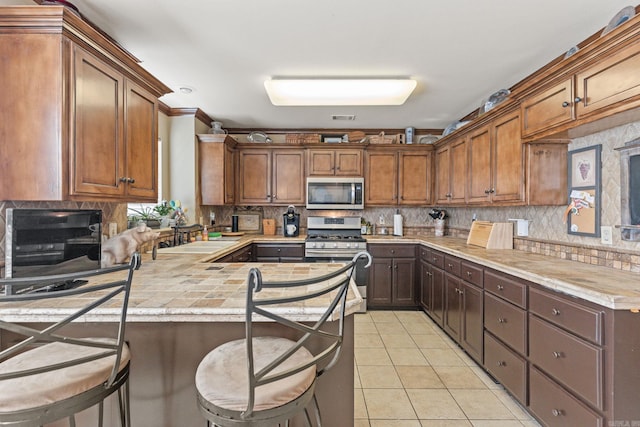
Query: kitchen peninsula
179, 310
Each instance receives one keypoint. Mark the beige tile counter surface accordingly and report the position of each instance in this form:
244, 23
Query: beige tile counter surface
183, 288
612, 288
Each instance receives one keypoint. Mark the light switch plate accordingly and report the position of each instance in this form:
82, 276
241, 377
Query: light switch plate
606, 235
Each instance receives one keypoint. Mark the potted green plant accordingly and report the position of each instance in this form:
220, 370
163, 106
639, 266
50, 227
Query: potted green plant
164, 211
147, 215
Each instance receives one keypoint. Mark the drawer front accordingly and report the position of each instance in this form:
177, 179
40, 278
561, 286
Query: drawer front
507, 322
555, 407
425, 253
452, 265
472, 273
506, 287
283, 250
573, 362
506, 366
392, 251
437, 259
583, 321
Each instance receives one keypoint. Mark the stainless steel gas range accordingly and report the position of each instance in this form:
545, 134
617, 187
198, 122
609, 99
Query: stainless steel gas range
337, 239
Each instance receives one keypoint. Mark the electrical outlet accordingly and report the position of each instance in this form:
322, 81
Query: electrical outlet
606, 235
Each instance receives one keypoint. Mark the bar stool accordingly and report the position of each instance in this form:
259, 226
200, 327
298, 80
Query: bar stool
266, 380
48, 373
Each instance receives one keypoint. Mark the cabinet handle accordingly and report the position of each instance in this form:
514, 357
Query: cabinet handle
395, 266
123, 179
565, 104
487, 191
393, 251
555, 312
448, 195
557, 354
557, 412
502, 320
578, 99
131, 180
500, 287
450, 265
468, 274
501, 363
493, 190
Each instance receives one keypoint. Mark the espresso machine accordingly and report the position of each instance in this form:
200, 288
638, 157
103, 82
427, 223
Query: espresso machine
291, 223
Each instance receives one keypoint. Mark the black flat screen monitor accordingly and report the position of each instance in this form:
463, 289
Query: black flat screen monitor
42, 242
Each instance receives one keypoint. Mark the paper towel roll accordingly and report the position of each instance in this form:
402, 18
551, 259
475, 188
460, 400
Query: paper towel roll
397, 225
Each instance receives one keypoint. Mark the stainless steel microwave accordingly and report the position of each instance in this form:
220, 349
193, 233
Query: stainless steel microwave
335, 192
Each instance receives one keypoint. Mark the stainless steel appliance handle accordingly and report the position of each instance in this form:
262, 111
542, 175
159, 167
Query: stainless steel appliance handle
347, 253
353, 193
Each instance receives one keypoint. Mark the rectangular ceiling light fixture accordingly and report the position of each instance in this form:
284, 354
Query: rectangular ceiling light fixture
308, 92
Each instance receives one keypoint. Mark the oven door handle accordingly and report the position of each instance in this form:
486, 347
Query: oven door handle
333, 254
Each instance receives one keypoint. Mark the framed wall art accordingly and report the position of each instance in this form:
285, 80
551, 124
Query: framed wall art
583, 213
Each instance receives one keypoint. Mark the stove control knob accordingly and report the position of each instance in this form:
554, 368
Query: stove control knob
321, 245
348, 245
335, 245
312, 245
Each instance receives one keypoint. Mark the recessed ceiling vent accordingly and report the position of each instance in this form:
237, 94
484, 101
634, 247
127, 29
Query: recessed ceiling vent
343, 117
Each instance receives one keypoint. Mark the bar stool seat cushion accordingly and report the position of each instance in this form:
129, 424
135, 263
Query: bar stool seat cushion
38, 390
221, 377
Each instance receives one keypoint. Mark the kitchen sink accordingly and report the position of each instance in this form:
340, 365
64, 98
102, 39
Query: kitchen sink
200, 247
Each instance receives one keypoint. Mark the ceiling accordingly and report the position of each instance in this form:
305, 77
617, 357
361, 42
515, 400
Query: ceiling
459, 51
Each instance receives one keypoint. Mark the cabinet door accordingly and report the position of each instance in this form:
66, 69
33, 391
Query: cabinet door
379, 290
414, 180
437, 295
548, 108
321, 162
381, 174
141, 141
229, 175
348, 162
613, 84
288, 177
255, 177
471, 337
97, 143
443, 167
458, 171
404, 282
426, 286
480, 186
217, 167
507, 160
453, 306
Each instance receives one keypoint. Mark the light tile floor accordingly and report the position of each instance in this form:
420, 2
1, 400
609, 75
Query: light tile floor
409, 373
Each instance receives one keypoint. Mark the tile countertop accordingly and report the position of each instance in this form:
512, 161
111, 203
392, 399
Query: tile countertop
612, 288
182, 288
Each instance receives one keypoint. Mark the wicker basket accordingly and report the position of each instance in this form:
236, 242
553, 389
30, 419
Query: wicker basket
381, 138
302, 138
269, 227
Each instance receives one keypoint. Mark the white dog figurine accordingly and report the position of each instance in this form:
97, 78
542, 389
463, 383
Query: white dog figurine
119, 248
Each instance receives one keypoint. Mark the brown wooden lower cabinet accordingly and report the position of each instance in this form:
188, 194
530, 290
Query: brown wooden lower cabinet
392, 276
241, 255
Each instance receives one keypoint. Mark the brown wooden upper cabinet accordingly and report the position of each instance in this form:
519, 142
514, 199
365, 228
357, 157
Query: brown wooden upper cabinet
217, 160
398, 176
496, 162
451, 161
334, 162
271, 176
86, 129
594, 91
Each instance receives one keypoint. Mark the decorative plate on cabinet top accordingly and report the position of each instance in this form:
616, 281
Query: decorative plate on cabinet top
571, 51
428, 139
258, 137
621, 17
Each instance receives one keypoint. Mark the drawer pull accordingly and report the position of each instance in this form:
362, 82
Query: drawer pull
502, 320
500, 287
557, 354
450, 265
557, 412
501, 363
555, 312
468, 274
